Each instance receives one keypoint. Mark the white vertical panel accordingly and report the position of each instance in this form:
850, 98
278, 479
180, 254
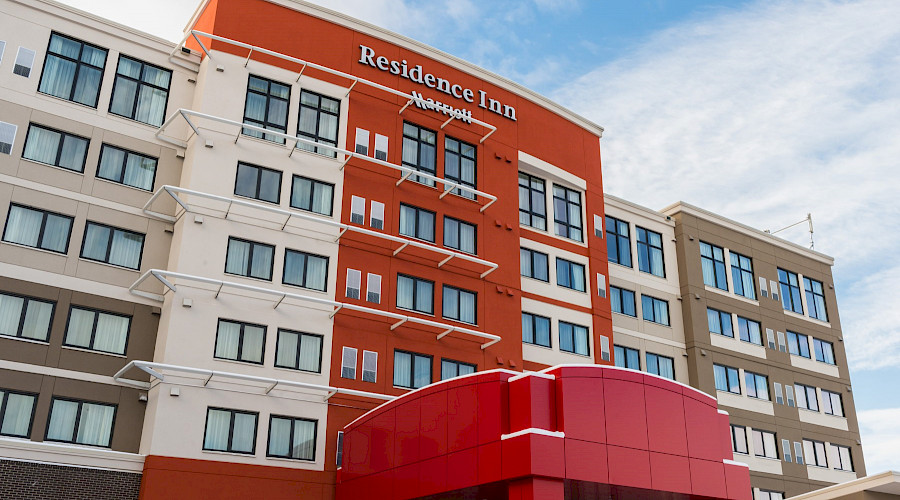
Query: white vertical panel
362, 141
7, 137
373, 288
381, 147
601, 285
357, 210
370, 366
353, 283
24, 62
348, 363
376, 215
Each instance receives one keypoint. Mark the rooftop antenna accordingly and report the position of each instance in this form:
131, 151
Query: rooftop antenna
808, 219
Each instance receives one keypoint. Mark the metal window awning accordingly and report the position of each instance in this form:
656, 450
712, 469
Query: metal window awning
405, 171
445, 254
156, 370
165, 278
454, 114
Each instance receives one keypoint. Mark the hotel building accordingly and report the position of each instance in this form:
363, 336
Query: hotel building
217, 254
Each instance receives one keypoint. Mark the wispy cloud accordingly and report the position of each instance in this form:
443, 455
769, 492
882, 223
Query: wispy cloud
763, 115
881, 439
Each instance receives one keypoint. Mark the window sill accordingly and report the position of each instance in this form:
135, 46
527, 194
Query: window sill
297, 370
655, 323
262, 280
132, 121
625, 315
230, 453
733, 393
548, 347
651, 275
239, 362
79, 445
64, 169
242, 135
726, 293
576, 354
546, 232
107, 264
420, 313
460, 321
623, 266
320, 155
120, 184
293, 460
573, 289
26, 339
762, 457
792, 314
92, 351
313, 290
61, 99
44, 250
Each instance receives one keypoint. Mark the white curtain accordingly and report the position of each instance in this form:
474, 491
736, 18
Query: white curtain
542, 332
10, 314
139, 172
17, 418
304, 440
87, 87
244, 432
665, 368
450, 303
404, 292
467, 307
151, 106
407, 221
581, 340
301, 194
322, 197
217, 424
426, 226
56, 233
467, 238
402, 369
112, 333
126, 249
448, 369
758, 446
310, 353
125, 91
62, 420
23, 226
286, 352
566, 337
425, 297
316, 269
95, 425
294, 263
261, 263
280, 437
422, 372
81, 323
227, 340
59, 74
252, 344
73, 153
96, 239
236, 259
661, 311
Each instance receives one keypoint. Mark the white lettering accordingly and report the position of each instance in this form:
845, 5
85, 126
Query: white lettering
468, 95
382, 63
455, 90
395, 68
415, 74
481, 97
366, 54
509, 112
429, 80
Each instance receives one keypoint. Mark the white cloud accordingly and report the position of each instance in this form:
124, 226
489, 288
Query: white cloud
765, 114
557, 6
881, 439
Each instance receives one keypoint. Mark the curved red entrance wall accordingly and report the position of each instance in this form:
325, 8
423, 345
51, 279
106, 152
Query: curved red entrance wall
568, 432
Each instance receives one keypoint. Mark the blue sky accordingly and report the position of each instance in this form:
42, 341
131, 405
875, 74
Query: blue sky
761, 111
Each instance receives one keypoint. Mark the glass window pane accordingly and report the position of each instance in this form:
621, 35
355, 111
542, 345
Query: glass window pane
62, 420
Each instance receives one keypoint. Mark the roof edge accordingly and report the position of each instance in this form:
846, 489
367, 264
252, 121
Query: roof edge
855, 486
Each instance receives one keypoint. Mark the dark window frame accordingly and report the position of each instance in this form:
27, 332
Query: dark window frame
318, 110
529, 212
816, 349
293, 420
534, 318
734, 440
569, 267
616, 238
811, 304
458, 153
418, 166
59, 147
315, 183
459, 224
755, 392
659, 357
749, 338
625, 351
531, 257
620, 293
418, 212
259, 176
739, 275
22, 315
456, 364
569, 228
140, 83
412, 368
572, 330
299, 344
721, 315
109, 242
253, 245
127, 152
653, 318
789, 301
711, 260
97, 313
232, 411
265, 123
3, 404
459, 291
796, 337
762, 453
41, 232
78, 63
240, 350
304, 278
729, 370
650, 247
416, 281
81, 403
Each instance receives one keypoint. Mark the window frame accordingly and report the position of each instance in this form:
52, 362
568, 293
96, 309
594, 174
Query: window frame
625, 352
650, 247
419, 142
253, 245
42, 230
762, 440
109, 243
817, 343
749, 338
319, 111
734, 441
457, 365
293, 421
78, 63
232, 411
77, 423
710, 260
59, 147
97, 313
831, 403
23, 315
314, 185
653, 318
412, 368
813, 444
534, 318
300, 334
458, 153
658, 357
459, 291
728, 371
265, 124
4, 400
262, 357
755, 390
128, 152
739, 275
574, 326
416, 281
794, 338
617, 237
140, 83
418, 213
530, 210
531, 254
617, 291
568, 268
259, 176
806, 390
721, 316
837, 454
789, 298
304, 278
459, 226
566, 223
812, 305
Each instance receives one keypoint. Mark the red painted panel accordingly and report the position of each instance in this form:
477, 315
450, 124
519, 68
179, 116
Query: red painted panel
626, 414
462, 469
433, 425
433, 475
629, 467
462, 411
586, 461
532, 404
406, 439
665, 420
708, 478
489, 462
406, 481
491, 412
700, 421
537, 488
670, 473
581, 408
381, 451
737, 482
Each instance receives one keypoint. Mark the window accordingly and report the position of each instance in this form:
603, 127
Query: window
840, 457
373, 288
532, 202
319, 116
786, 450
790, 291
339, 454
567, 213
459, 165
420, 151
25, 317
806, 397
80, 422
381, 147
376, 215
240, 341
348, 363
618, 242
770, 495
789, 395
815, 453
650, 253
779, 396
291, 437
798, 344
534, 264
712, 259
815, 299
663, 366
111, 245
570, 275
574, 338
831, 403
305, 270
739, 439
622, 301
757, 385
451, 368
535, 329
233, 431
459, 235
764, 444
749, 330
266, 107
362, 141
73, 70
312, 195
370, 366
354, 276
416, 222
55, 147
140, 92
16, 413
97, 330
249, 258
357, 210
627, 357
127, 167
411, 370
742, 276
7, 137
257, 182
719, 322
459, 304
655, 310
415, 294
798, 452
824, 351
727, 379
38, 229
24, 62
298, 351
